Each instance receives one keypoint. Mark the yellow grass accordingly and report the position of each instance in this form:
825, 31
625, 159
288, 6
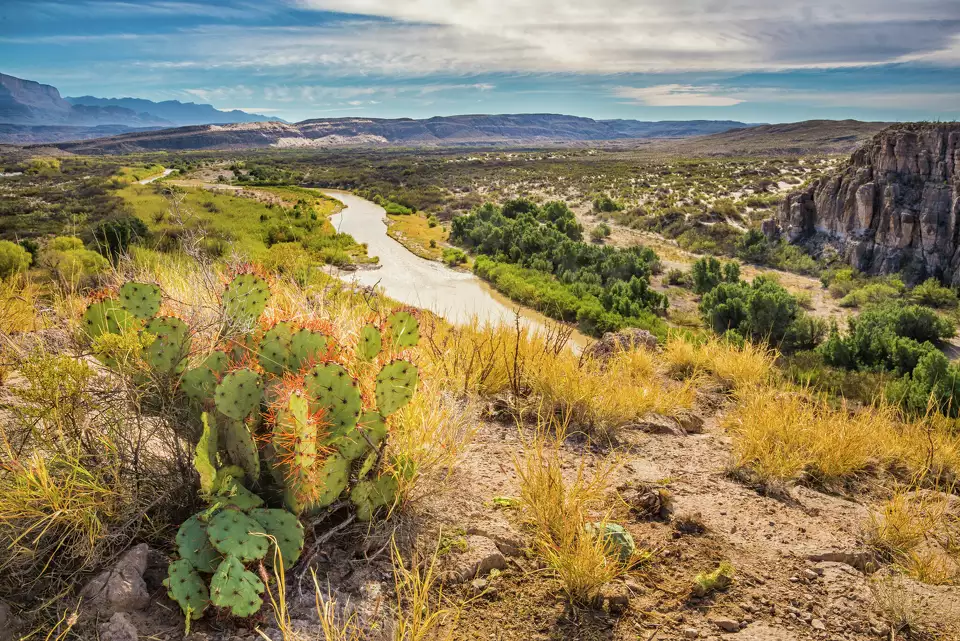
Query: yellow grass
20, 305
735, 367
415, 233
782, 436
556, 509
423, 612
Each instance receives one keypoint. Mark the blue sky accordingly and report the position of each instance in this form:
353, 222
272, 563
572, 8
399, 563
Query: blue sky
749, 60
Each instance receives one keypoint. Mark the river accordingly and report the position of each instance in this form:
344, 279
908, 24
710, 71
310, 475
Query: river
455, 295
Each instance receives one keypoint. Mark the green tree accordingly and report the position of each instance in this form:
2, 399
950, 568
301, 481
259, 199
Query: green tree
13, 259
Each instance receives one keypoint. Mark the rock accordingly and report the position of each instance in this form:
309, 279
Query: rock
122, 588
817, 624
622, 341
689, 422
864, 561
652, 423
616, 596
690, 633
477, 586
118, 628
481, 556
727, 625
810, 575
891, 208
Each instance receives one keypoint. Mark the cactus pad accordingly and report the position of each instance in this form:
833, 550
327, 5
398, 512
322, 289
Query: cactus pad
140, 299
396, 383
370, 495
371, 430
306, 347
230, 531
234, 587
404, 329
186, 587
233, 493
274, 352
194, 545
286, 529
226, 476
106, 317
295, 444
239, 393
167, 354
332, 479
200, 382
616, 539
205, 456
370, 343
245, 298
336, 392
238, 442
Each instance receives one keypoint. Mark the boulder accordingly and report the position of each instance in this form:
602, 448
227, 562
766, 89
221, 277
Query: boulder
622, 341
118, 628
121, 588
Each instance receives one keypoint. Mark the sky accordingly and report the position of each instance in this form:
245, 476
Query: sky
747, 60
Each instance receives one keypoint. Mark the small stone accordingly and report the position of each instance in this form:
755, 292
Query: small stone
616, 596
118, 628
690, 633
121, 589
727, 625
817, 624
478, 586
810, 575
481, 556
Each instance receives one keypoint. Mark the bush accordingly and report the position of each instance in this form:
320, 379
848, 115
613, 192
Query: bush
933, 294
872, 294
13, 259
600, 232
71, 262
679, 278
114, 236
453, 256
605, 204
709, 272
933, 384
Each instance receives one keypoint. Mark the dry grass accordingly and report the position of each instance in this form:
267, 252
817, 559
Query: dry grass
556, 510
785, 436
20, 304
736, 368
919, 532
423, 612
540, 374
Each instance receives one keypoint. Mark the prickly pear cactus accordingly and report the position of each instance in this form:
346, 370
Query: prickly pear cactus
142, 300
240, 447
245, 298
233, 533
239, 393
396, 383
194, 545
185, 586
370, 432
370, 495
404, 329
337, 393
306, 347
332, 480
168, 352
286, 531
107, 317
200, 382
618, 541
236, 588
371, 342
274, 353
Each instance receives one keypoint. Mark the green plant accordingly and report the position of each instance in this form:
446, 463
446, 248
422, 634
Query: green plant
718, 580
709, 272
13, 259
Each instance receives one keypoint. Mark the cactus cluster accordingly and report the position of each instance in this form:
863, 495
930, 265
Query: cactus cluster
290, 417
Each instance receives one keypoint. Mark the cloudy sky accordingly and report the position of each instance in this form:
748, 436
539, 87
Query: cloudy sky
748, 60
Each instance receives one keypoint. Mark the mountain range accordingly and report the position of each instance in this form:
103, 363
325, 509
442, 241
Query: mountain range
34, 112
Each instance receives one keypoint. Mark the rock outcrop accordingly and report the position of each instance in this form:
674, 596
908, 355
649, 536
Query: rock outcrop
894, 207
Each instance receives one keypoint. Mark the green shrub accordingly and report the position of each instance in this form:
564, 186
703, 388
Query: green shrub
13, 259
605, 204
114, 236
934, 384
933, 294
679, 278
600, 232
453, 256
71, 262
872, 294
708, 272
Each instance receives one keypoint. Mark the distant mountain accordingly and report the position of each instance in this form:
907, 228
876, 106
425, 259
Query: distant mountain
808, 136
522, 129
178, 113
36, 113
25, 102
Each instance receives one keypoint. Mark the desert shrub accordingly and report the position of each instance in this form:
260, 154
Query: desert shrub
453, 256
932, 384
71, 262
113, 236
679, 278
290, 259
13, 259
872, 293
600, 232
605, 204
808, 369
933, 294
709, 272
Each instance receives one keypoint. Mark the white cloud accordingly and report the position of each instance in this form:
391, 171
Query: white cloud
676, 96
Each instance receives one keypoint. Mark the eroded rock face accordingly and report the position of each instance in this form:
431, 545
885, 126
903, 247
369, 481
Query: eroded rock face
894, 207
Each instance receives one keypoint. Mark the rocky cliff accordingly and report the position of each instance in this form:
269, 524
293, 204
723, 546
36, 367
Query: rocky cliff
893, 207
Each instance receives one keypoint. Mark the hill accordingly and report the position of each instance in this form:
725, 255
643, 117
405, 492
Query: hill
448, 130
808, 136
177, 113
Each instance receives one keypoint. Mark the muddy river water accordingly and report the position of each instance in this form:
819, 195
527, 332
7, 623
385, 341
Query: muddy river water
458, 296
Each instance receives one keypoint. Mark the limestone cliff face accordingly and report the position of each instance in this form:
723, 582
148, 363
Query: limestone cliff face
895, 206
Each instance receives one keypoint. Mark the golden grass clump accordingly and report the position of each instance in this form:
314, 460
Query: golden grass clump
736, 367
556, 510
783, 436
